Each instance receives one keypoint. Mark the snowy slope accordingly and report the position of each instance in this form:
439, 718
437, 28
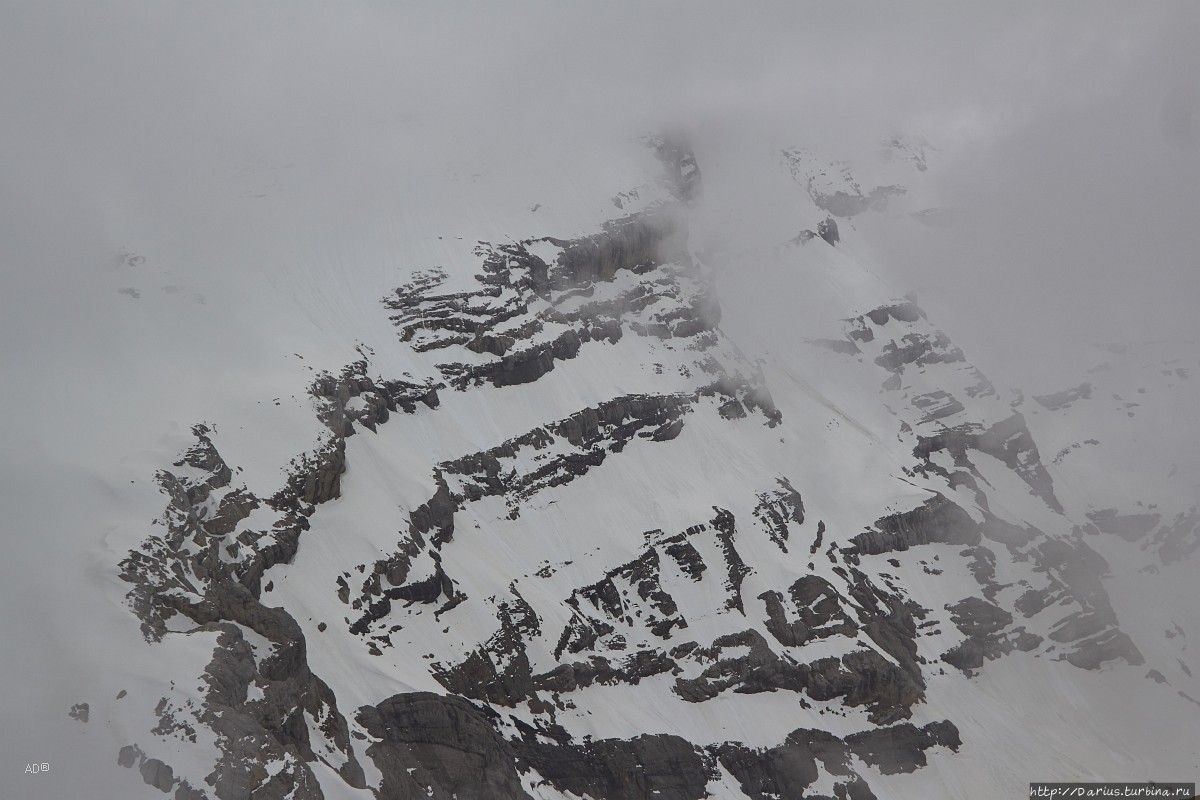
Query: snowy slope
603, 487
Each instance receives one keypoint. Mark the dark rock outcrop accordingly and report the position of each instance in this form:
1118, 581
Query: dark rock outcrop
938, 519
787, 769
901, 748
1129, 527
827, 229
250, 733
440, 747
918, 350
845, 204
375, 400
778, 507
642, 768
631, 243
859, 678
983, 624
1065, 398
435, 746
1008, 440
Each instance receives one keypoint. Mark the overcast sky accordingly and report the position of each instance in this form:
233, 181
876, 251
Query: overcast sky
1068, 135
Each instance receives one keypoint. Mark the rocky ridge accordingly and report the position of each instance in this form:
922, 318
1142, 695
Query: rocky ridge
687, 613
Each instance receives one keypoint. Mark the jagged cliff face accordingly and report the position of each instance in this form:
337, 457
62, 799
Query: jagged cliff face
582, 545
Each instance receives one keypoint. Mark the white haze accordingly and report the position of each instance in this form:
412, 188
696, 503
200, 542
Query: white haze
224, 143
1067, 136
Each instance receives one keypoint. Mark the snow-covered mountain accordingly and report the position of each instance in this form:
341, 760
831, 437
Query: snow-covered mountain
631, 490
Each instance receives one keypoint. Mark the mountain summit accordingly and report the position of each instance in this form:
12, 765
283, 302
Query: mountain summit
562, 534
